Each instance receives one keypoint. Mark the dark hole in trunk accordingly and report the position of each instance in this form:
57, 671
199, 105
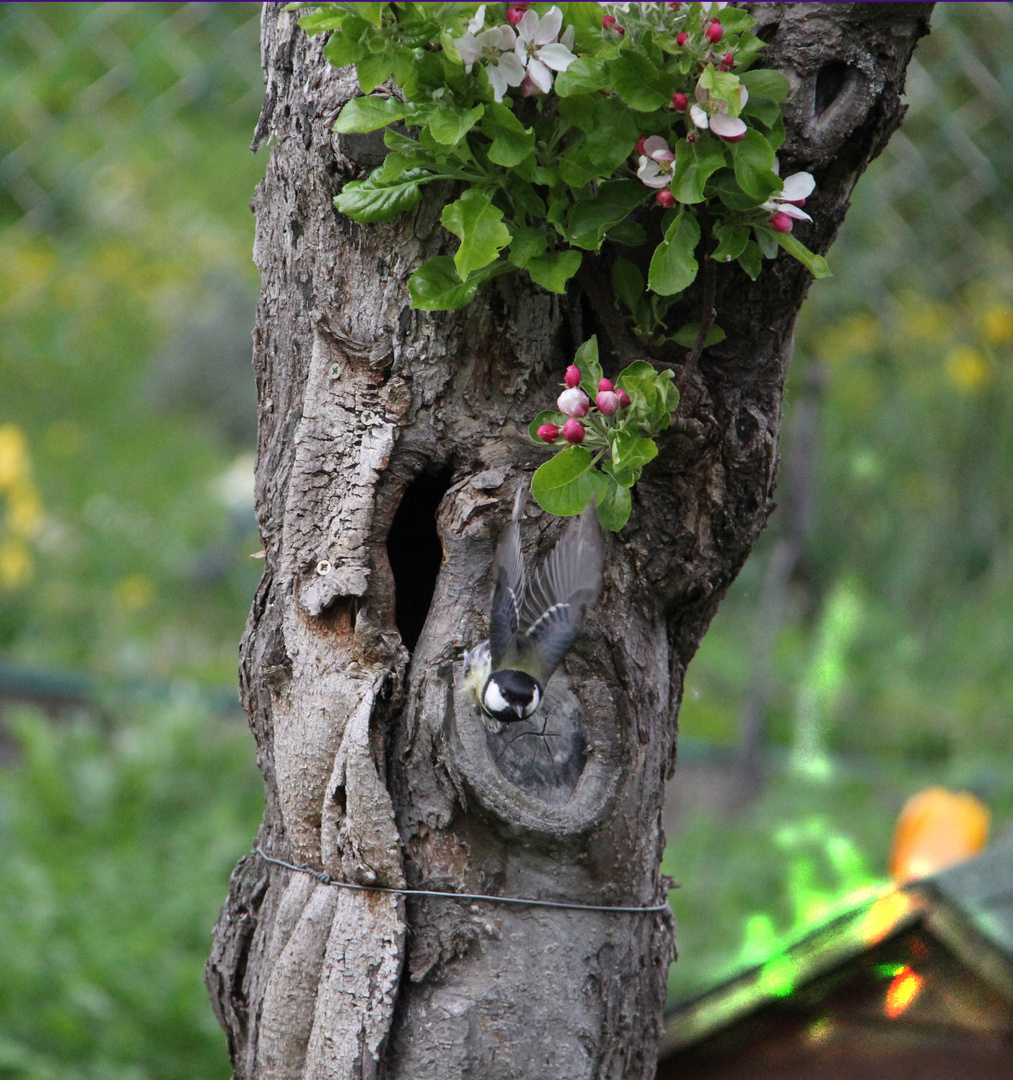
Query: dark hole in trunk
415, 553
830, 82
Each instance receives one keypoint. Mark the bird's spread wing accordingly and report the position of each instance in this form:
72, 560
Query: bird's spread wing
567, 584
507, 591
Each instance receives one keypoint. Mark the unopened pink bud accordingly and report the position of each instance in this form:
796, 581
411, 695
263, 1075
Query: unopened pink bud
572, 376
781, 223
608, 21
605, 384
514, 15
681, 39
692, 137
548, 433
729, 59
639, 148
573, 432
679, 102
714, 33
624, 398
607, 402
573, 402
665, 198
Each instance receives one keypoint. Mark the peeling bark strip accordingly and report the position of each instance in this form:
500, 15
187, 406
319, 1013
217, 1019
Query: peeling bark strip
376, 770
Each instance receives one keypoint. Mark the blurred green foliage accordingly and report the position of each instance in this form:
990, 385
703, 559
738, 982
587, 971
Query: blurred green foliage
126, 303
116, 847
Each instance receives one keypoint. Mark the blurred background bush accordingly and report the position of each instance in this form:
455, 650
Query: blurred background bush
864, 653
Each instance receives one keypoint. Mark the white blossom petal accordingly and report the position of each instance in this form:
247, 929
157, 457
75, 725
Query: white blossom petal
469, 50
539, 74
728, 127
527, 27
478, 21
793, 212
556, 56
798, 186
568, 37
699, 116
549, 26
651, 175
654, 144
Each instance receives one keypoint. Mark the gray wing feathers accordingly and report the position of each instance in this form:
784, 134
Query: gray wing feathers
507, 590
566, 586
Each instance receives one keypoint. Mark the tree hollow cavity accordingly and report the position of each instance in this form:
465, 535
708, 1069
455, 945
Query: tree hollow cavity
416, 553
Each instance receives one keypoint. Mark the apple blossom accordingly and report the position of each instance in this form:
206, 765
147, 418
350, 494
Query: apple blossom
657, 163
605, 384
786, 204
607, 402
665, 199
494, 47
548, 433
573, 402
714, 33
624, 398
680, 102
572, 376
573, 432
681, 39
538, 48
712, 112
514, 15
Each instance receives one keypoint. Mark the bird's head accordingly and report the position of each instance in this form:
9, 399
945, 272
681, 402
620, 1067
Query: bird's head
511, 695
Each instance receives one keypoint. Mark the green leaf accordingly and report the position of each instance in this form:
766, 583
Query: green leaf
591, 219
435, 286
754, 166
376, 67
731, 240
653, 396
695, 163
512, 142
766, 83
766, 112
751, 259
673, 267
585, 75
614, 505
814, 263
364, 114
549, 416
628, 233
372, 200
527, 244
688, 334
627, 283
449, 126
554, 270
479, 226
347, 46
639, 83
767, 239
723, 85
630, 453
586, 358
567, 482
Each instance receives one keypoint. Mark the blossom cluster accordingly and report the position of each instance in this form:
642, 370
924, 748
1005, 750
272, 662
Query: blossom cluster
576, 406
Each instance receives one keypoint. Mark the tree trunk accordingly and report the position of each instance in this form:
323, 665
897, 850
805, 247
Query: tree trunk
372, 417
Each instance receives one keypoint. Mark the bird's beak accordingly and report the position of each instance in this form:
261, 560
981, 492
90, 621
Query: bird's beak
519, 709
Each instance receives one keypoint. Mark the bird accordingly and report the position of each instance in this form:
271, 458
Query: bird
533, 623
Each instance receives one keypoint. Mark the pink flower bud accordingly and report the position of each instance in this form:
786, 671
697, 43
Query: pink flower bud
548, 433
729, 59
573, 402
675, 7
572, 376
607, 402
624, 398
781, 223
514, 15
681, 39
714, 33
679, 102
692, 137
608, 22
639, 148
665, 198
605, 384
573, 432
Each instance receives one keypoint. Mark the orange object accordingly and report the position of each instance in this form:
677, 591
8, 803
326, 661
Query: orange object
936, 829
901, 992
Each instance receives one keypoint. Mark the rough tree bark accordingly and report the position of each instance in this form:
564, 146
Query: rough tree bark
376, 771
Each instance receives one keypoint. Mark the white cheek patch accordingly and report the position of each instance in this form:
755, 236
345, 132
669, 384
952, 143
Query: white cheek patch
536, 698
493, 700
